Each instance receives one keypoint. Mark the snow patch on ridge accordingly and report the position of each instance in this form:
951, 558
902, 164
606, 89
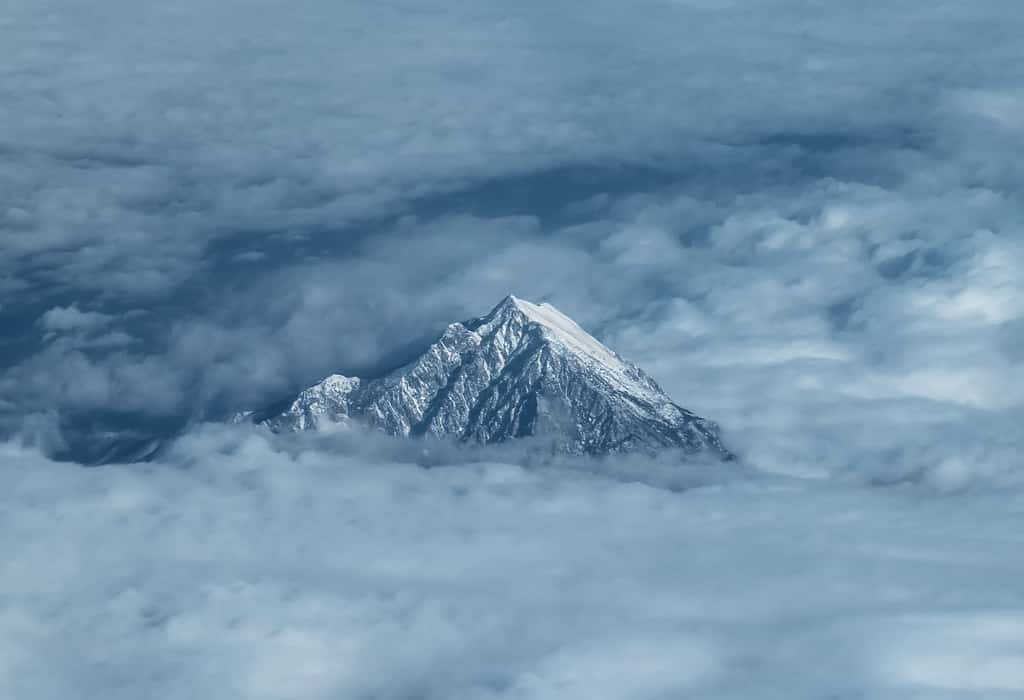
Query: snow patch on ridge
563, 330
567, 331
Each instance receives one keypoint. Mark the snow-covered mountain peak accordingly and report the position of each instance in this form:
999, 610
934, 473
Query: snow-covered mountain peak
565, 336
523, 369
566, 331
555, 325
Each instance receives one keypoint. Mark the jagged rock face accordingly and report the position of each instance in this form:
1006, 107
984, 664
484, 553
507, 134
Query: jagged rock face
522, 370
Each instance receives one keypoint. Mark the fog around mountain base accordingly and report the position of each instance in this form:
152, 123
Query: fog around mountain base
241, 566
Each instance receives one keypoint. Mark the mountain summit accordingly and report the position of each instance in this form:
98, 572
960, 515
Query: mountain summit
522, 370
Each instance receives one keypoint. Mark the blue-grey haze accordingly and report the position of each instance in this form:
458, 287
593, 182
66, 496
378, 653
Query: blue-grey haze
803, 218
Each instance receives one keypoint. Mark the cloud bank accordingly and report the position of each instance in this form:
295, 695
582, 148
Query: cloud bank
803, 219
240, 568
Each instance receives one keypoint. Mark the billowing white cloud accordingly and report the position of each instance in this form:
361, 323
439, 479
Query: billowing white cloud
240, 567
71, 318
802, 219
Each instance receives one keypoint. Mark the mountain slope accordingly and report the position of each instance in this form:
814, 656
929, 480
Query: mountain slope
522, 370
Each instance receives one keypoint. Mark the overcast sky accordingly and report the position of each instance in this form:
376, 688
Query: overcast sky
803, 218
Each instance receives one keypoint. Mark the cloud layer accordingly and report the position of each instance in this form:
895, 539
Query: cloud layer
803, 219
238, 568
